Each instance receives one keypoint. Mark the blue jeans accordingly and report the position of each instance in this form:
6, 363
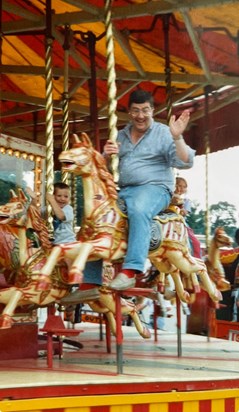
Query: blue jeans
143, 203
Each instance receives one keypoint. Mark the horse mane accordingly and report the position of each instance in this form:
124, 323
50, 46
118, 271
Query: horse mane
39, 226
105, 175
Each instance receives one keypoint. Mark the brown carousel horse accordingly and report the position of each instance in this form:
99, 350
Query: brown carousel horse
213, 262
24, 250
103, 234
201, 309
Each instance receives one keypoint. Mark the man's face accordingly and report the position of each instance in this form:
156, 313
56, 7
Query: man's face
141, 116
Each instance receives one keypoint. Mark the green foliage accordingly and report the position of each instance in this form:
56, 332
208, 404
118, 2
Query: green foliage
221, 214
5, 186
224, 214
196, 219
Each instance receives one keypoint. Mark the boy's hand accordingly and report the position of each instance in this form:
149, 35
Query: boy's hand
50, 197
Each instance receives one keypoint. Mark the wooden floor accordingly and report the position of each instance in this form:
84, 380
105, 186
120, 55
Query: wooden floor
144, 361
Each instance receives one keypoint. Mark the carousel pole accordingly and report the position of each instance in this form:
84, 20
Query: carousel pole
167, 70
91, 38
207, 152
166, 19
111, 83
1, 40
112, 104
73, 184
211, 314
49, 114
65, 100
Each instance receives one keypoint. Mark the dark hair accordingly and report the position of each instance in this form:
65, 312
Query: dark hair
61, 185
140, 96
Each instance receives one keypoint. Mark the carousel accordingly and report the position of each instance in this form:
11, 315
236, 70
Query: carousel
91, 348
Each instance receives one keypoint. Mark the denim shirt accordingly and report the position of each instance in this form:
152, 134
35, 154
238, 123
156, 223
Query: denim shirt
152, 159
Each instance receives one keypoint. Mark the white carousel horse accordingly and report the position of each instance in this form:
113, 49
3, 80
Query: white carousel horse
21, 260
103, 233
21, 226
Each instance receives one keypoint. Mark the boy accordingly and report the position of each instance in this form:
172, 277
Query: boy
63, 214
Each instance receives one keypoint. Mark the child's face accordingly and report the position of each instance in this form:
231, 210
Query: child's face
181, 187
62, 197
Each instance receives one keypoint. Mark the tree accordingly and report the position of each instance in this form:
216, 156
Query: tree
196, 219
223, 214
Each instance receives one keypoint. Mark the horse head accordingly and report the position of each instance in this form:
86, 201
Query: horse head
221, 238
78, 159
14, 212
83, 160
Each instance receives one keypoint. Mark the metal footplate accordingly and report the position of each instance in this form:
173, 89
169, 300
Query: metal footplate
81, 296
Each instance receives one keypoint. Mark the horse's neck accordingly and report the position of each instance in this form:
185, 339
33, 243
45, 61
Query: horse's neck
95, 194
24, 250
214, 255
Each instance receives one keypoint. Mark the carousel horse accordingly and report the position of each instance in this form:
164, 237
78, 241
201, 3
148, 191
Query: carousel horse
213, 259
21, 232
103, 234
24, 249
229, 259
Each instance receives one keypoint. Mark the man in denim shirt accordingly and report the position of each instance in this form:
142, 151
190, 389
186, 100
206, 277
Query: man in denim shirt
148, 151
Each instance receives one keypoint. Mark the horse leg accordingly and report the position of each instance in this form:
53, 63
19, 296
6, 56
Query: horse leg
76, 271
183, 295
46, 271
195, 265
99, 308
209, 286
127, 308
6, 316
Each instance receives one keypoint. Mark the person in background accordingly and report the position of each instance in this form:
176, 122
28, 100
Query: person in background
184, 205
148, 151
234, 271
179, 195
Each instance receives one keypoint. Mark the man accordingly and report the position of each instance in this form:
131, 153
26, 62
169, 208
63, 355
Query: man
148, 151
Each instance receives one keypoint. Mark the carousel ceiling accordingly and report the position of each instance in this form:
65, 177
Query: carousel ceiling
181, 51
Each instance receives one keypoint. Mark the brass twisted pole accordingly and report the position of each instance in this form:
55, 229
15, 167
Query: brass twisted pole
49, 116
111, 83
65, 100
1, 42
166, 19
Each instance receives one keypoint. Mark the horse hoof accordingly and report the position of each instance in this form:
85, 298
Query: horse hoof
5, 322
196, 289
186, 297
223, 285
43, 283
146, 333
75, 277
217, 296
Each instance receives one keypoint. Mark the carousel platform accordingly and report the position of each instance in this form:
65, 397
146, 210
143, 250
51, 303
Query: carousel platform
204, 378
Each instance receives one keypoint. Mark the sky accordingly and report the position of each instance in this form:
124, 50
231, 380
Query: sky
223, 175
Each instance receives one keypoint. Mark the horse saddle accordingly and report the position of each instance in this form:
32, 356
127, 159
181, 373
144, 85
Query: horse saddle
167, 215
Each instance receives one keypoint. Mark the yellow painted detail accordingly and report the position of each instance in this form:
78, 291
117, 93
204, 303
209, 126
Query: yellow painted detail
83, 403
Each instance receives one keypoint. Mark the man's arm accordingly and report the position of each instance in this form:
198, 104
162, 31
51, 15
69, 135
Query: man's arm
177, 127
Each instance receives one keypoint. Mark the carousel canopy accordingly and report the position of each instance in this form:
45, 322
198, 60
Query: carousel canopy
186, 53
